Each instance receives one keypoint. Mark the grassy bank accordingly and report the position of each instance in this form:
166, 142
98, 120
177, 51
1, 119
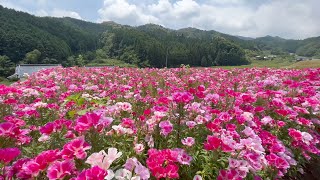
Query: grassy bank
278, 63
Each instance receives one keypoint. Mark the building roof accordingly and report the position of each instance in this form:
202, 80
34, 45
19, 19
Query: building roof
39, 65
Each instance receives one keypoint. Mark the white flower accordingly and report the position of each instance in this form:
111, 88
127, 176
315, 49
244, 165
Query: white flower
110, 175
123, 174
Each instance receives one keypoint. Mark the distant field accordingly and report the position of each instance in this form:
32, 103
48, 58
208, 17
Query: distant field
272, 64
110, 62
306, 64
279, 64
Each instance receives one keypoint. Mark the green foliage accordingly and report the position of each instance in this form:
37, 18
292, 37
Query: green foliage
153, 45
6, 66
204, 62
32, 57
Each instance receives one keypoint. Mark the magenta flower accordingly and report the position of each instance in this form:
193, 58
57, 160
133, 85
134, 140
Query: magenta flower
162, 163
85, 122
48, 128
9, 154
229, 175
166, 127
75, 148
94, 173
182, 97
59, 170
8, 129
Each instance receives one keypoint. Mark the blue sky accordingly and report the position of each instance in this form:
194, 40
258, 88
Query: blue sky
295, 19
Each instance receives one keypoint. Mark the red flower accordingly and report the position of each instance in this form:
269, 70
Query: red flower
296, 135
48, 128
212, 143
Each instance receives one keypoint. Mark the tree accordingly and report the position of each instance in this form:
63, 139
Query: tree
33, 57
204, 62
80, 60
6, 66
100, 54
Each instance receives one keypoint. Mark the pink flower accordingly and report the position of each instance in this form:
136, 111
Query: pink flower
75, 148
182, 97
166, 127
102, 159
191, 124
94, 173
59, 170
8, 129
138, 148
229, 175
277, 161
124, 106
9, 154
184, 158
40, 163
130, 164
188, 141
142, 171
133, 164
47, 157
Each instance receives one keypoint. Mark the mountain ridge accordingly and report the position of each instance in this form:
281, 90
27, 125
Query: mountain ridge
64, 39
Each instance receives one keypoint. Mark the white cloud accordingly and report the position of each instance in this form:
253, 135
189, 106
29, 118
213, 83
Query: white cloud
8, 4
286, 18
124, 12
57, 13
64, 13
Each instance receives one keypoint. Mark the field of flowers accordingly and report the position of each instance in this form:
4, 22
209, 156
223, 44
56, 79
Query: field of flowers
184, 123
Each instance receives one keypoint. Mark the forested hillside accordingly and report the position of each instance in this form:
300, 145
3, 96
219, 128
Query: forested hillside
25, 38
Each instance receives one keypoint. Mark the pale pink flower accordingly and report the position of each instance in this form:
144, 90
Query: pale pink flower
184, 158
191, 124
266, 120
197, 177
138, 148
188, 141
102, 159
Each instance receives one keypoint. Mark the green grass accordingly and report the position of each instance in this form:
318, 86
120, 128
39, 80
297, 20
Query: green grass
5, 82
110, 62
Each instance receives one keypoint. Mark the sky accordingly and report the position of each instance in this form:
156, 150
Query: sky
291, 19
